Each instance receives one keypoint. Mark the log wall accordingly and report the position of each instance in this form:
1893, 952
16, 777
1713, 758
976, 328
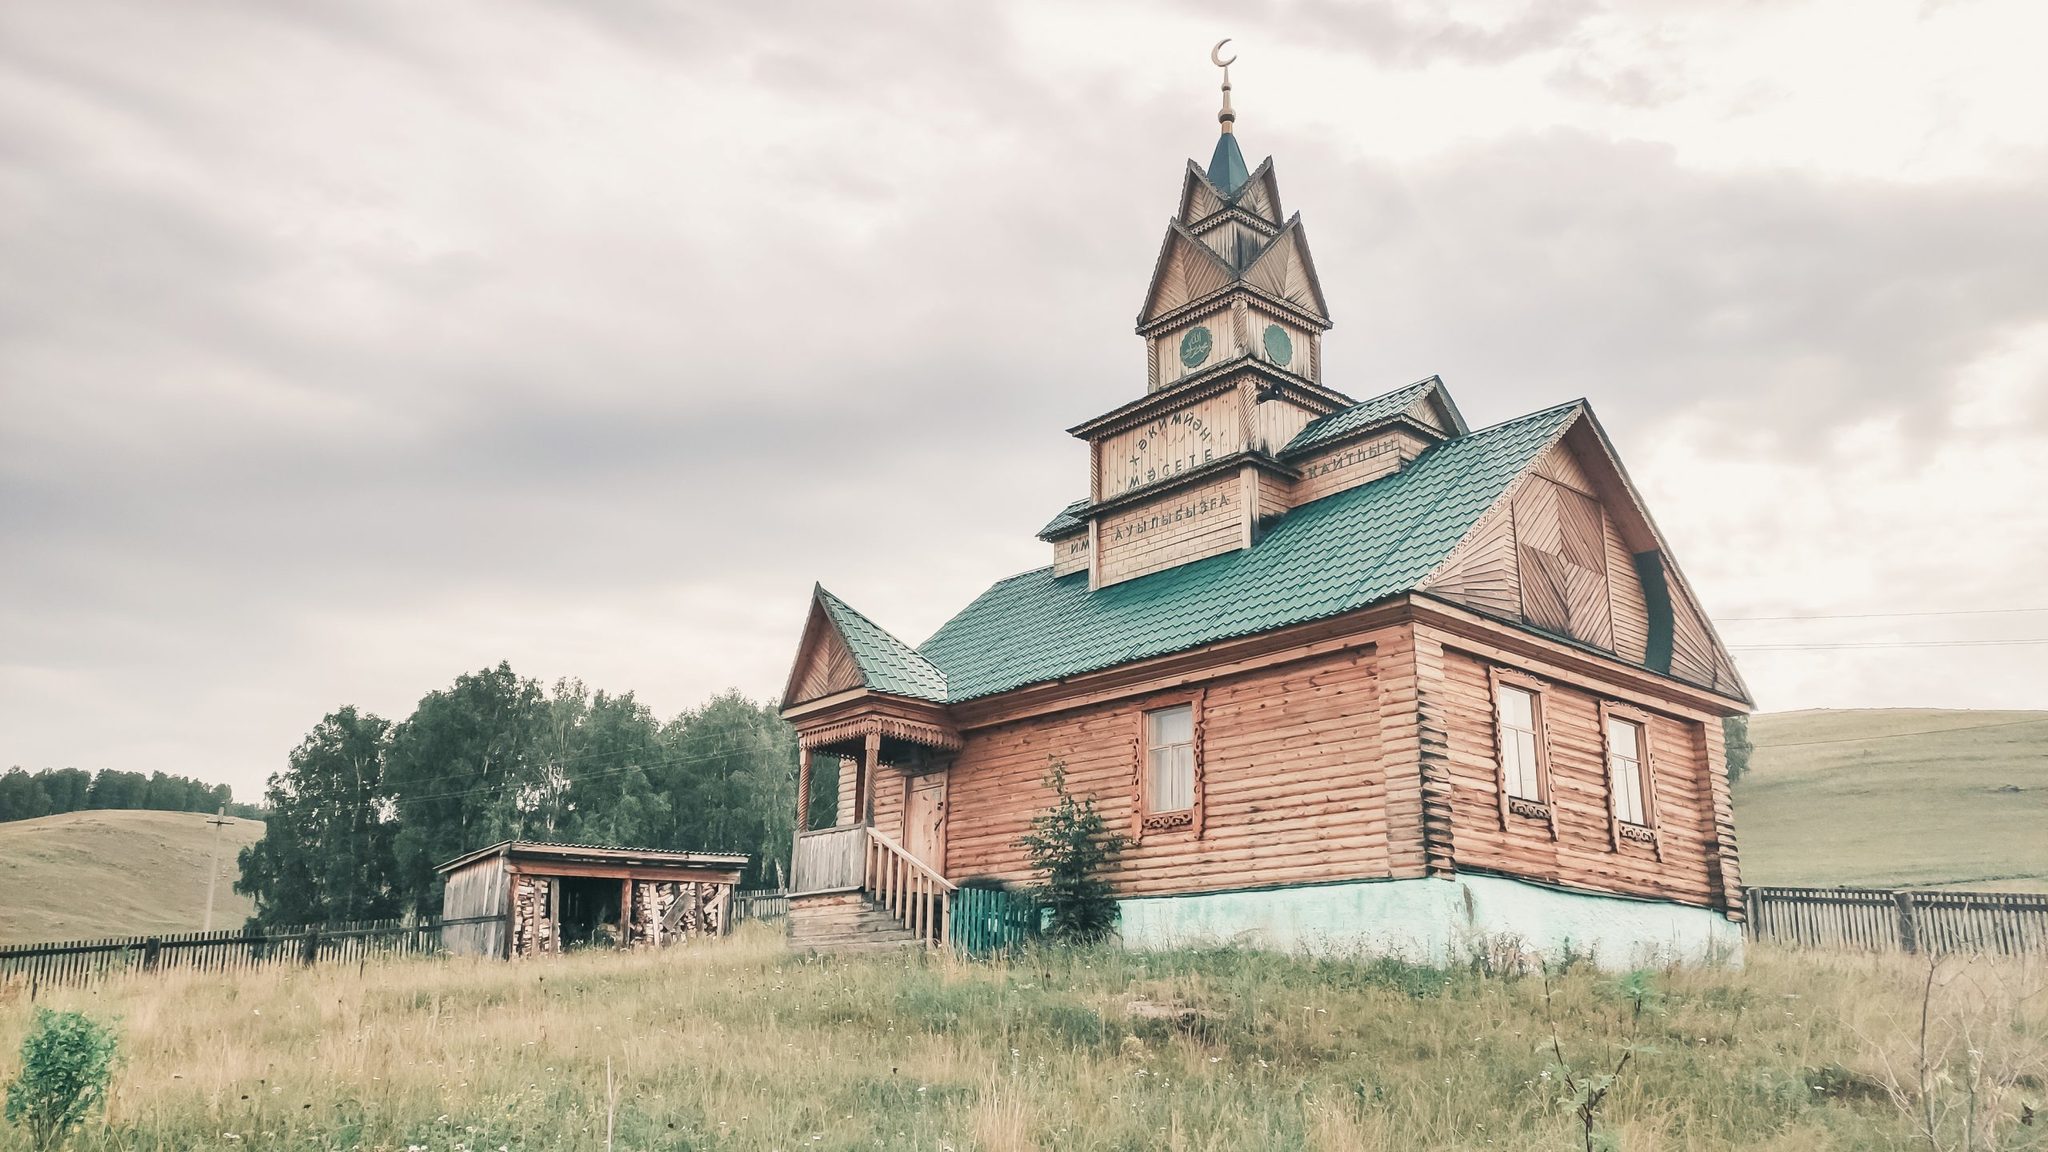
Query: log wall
1583, 852
1293, 788
1177, 527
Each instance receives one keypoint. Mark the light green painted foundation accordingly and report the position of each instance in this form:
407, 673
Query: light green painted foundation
1436, 921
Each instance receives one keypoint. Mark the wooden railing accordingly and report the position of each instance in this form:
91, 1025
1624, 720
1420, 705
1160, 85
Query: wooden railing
919, 897
1892, 920
828, 860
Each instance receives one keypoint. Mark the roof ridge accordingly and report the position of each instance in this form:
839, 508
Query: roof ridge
1497, 426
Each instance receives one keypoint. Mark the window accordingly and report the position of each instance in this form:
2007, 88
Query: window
1625, 770
1170, 759
1521, 771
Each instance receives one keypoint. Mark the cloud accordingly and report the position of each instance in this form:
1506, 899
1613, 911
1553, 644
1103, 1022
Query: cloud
344, 348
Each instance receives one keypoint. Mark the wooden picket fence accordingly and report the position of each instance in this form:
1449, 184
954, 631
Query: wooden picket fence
1900, 920
769, 905
79, 961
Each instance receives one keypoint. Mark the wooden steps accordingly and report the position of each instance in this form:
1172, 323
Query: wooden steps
845, 922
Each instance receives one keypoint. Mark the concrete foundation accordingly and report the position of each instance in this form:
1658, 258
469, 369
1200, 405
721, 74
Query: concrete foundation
1437, 922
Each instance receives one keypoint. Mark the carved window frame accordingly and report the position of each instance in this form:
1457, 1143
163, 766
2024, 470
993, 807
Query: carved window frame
1190, 819
1618, 830
1544, 808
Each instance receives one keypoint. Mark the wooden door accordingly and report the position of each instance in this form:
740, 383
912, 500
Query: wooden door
924, 820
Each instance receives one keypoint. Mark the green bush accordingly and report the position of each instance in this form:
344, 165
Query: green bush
66, 1061
1071, 849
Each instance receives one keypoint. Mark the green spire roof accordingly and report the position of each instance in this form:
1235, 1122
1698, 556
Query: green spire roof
1335, 555
1226, 167
886, 663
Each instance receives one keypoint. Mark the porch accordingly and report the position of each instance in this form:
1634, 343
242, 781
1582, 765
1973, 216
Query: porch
875, 877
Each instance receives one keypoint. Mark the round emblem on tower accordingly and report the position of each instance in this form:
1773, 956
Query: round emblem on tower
1279, 345
1194, 347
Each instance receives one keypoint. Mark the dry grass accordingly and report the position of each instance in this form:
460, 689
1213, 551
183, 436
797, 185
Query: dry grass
146, 872
1912, 796
740, 1045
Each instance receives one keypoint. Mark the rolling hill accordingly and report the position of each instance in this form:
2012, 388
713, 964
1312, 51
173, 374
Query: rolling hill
1896, 797
83, 875
1883, 797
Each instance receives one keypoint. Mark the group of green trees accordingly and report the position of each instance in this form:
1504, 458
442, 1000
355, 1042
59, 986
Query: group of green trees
25, 795
366, 808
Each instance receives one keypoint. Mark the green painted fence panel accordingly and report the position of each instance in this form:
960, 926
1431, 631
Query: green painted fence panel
992, 921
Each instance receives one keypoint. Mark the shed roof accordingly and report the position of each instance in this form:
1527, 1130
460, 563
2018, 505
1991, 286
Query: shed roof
602, 854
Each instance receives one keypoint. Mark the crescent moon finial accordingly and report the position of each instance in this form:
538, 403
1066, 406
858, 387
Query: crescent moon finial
1226, 117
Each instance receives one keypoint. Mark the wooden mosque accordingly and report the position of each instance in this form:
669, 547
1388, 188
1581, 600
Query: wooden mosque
1348, 674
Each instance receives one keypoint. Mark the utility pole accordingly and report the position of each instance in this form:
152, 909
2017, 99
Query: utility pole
219, 821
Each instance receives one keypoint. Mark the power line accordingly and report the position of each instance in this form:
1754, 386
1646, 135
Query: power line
1883, 644
1881, 615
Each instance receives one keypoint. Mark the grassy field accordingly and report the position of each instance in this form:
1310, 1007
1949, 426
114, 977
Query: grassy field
741, 1046
90, 874
1896, 797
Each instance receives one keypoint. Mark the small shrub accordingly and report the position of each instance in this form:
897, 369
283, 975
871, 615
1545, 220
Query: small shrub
66, 1061
1071, 847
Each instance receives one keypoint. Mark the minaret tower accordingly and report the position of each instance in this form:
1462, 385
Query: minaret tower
1233, 324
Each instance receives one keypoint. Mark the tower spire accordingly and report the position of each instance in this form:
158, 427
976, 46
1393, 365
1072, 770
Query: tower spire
1225, 117
1226, 167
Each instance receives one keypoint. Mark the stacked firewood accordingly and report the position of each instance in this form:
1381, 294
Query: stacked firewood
666, 912
532, 931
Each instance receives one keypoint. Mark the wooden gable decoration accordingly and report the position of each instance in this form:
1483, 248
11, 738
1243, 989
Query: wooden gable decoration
1261, 194
1569, 550
1199, 199
1435, 410
1236, 241
1284, 270
1188, 270
824, 664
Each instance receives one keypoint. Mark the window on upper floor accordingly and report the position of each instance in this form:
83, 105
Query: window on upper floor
1170, 759
1520, 716
1628, 770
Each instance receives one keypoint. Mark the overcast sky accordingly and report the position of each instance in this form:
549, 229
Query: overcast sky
347, 347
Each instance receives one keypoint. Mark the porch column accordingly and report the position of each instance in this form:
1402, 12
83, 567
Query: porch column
803, 790
870, 757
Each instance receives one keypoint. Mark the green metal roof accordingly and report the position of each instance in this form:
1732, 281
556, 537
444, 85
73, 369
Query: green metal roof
886, 663
1067, 522
1361, 415
1226, 166
1335, 555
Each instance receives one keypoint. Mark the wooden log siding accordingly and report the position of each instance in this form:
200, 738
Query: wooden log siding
1293, 787
1583, 852
1891, 920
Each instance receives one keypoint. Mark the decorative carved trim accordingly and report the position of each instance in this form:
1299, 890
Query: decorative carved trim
895, 727
1541, 809
1199, 812
1617, 828
1162, 821
1192, 817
